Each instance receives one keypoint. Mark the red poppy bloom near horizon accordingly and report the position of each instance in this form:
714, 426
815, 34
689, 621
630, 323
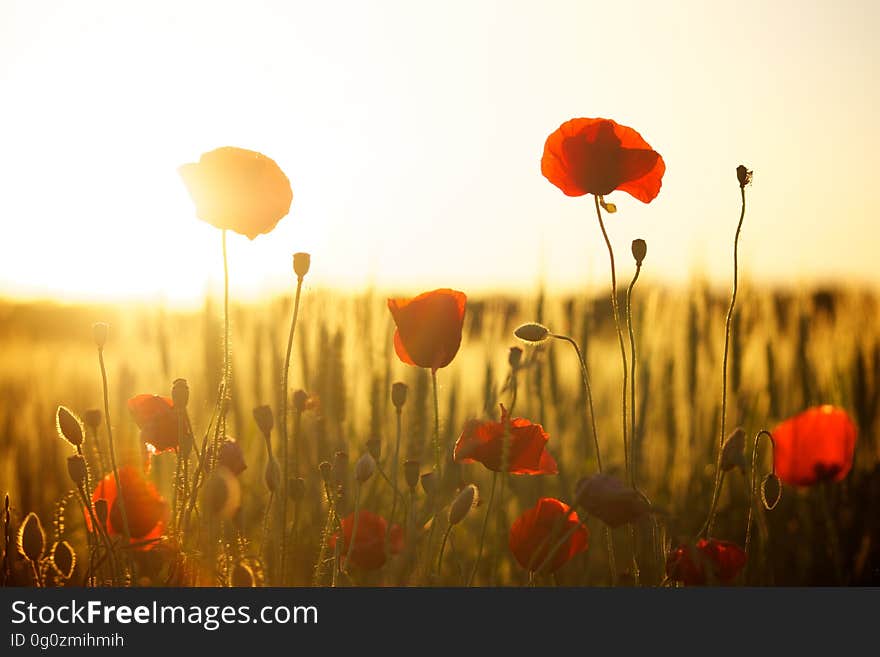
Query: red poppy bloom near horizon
146, 510
238, 189
813, 446
429, 327
483, 442
599, 156
710, 561
157, 420
537, 531
369, 542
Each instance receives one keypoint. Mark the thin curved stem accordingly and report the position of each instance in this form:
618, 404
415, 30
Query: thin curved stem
482, 531
632, 376
354, 528
119, 488
753, 484
727, 326
616, 312
443, 548
585, 377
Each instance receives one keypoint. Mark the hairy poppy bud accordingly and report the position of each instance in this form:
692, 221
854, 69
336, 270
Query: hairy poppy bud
242, 576
326, 471
300, 400
273, 475
743, 175
364, 468
102, 510
609, 499
374, 447
76, 468
222, 494
533, 332
639, 250
231, 456
732, 451
296, 488
31, 538
771, 491
99, 332
514, 357
68, 426
429, 483
92, 418
63, 559
264, 419
301, 264
180, 393
411, 473
462, 504
398, 394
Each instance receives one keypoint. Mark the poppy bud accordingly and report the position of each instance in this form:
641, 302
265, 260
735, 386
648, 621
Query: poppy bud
743, 175
296, 488
92, 418
609, 499
273, 475
76, 468
301, 264
63, 559
364, 468
533, 332
102, 510
264, 419
186, 444
374, 447
99, 331
514, 357
242, 576
398, 394
180, 393
326, 471
429, 483
68, 426
462, 504
231, 456
771, 491
411, 473
639, 250
300, 400
222, 494
732, 455
31, 538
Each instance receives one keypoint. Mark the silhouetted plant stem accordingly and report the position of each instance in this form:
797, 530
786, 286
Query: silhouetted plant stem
585, 380
437, 457
120, 493
482, 531
443, 548
227, 365
395, 466
354, 527
616, 312
632, 376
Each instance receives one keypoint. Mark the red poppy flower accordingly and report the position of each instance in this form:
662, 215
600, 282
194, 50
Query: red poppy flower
814, 446
428, 327
238, 189
711, 561
483, 442
537, 531
369, 543
598, 156
157, 421
145, 509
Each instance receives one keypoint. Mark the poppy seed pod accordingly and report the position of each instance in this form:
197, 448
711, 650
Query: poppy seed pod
532, 332
301, 264
639, 250
76, 468
609, 499
63, 559
68, 426
732, 452
411, 473
273, 475
514, 357
743, 175
462, 504
242, 576
231, 456
264, 419
364, 468
300, 400
180, 393
32, 538
398, 394
92, 418
99, 332
326, 471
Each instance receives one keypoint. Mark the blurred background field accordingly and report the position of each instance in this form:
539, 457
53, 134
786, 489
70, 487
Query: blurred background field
790, 349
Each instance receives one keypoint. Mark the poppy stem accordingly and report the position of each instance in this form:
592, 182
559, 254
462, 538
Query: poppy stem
728, 323
120, 497
752, 488
632, 376
443, 549
616, 312
227, 366
436, 426
482, 532
395, 466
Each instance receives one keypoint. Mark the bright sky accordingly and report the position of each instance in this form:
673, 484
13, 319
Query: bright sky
412, 133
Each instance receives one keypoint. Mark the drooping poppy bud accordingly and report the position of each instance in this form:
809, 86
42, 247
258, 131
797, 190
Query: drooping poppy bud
514, 357
231, 456
300, 400
462, 504
92, 419
374, 447
264, 419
